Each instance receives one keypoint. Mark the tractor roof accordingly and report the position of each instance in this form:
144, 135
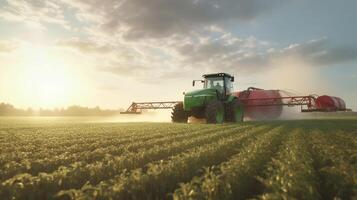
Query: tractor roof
217, 75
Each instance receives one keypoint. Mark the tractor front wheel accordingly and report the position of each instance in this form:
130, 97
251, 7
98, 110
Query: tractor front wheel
215, 112
178, 114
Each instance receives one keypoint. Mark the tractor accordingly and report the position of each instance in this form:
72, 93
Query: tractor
214, 102
217, 102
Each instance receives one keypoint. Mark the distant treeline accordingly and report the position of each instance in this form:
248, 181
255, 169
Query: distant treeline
9, 110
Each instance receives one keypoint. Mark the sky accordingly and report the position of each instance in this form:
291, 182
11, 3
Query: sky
108, 53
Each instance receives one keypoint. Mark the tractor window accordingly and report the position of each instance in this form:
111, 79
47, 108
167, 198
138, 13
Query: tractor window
229, 85
216, 83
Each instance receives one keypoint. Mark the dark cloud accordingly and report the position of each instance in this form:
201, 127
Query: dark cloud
136, 19
181, 26
320, 52
225, 47
223, 53
243, 55
206, 54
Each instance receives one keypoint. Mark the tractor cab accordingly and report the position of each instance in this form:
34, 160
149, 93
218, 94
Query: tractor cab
222, 82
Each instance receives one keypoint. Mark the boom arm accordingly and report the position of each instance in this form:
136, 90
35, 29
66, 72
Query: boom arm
137, 107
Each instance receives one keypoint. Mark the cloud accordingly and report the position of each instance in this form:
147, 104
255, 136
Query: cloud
84, 46
9, 46
223, 51
144, 71
252, 55
137, 37
137, 19
178, 56
320, 52
33, 12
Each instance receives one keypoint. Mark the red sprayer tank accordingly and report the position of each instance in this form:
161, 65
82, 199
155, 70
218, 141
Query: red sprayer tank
256, 103
330, 103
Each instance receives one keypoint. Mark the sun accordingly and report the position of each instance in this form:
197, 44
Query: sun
51, 86
48, 78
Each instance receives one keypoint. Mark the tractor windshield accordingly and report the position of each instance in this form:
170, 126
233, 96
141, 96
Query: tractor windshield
214, 82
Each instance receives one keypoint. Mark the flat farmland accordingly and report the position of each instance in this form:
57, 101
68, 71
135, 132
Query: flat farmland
302, 159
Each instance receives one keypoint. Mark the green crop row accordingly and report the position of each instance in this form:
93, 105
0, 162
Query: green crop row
336, 161
163, 176
103, 151
261, 160
291, 175
75, 139
79, 173
234, 179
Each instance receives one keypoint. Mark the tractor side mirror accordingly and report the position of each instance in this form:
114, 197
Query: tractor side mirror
232, 79
193, 83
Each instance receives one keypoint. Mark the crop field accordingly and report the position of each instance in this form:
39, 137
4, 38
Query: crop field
304, 159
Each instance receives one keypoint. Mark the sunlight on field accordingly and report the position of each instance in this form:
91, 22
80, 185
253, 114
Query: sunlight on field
124, 160
153, 116
163, 116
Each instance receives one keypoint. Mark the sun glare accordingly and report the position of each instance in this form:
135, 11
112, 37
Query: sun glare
47, 77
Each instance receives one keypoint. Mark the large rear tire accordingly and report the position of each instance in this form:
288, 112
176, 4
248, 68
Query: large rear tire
214, 112
178, 114
234, 111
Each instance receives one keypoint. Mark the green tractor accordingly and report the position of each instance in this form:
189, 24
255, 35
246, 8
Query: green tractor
215, 102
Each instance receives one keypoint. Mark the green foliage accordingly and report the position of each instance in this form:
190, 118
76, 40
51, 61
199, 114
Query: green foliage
336, 161
292, 175
265, 160
235, 178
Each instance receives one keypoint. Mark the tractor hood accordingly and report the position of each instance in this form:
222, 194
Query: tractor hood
204, 92
199, 98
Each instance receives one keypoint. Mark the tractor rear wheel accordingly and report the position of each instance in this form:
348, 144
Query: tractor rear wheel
234, 111
178, 114
215, 112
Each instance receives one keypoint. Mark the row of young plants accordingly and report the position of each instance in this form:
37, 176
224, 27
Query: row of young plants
102, 151
236, 178
159, 178
291, 174
43, 142
40, 143
75, 139
336, 162
52, 163
79, 173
